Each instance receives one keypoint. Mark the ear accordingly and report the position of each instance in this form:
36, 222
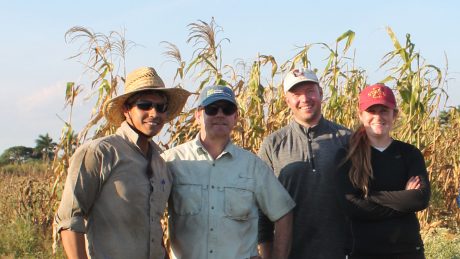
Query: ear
126, 110
320, 92
198, 114
286, 99
360, 116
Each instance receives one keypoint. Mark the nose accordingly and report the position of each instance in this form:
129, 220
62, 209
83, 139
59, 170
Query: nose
303, 98
220, 112
153, 112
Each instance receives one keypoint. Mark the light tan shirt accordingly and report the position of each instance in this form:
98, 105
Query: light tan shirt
109, 197
214, 203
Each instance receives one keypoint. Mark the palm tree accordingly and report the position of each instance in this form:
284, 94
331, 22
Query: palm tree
45, 146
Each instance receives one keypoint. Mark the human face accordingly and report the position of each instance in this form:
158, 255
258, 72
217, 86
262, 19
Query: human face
218, 126
147, 120
378, 120
304, 100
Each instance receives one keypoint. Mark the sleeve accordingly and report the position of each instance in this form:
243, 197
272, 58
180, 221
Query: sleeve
351, 199
408, 200
273, 199
266, 227
80, 189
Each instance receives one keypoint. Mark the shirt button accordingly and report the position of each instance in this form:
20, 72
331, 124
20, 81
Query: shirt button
212, 186
212, 229
212, 207
210, 251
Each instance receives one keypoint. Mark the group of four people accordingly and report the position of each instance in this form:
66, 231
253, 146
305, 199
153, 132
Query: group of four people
316, 190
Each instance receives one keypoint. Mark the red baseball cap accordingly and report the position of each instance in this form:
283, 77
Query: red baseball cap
376, 94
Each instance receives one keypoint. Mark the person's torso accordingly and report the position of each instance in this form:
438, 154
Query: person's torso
213, 205
304, 164
124, 221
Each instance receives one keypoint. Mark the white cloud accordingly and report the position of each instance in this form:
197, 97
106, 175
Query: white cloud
46, 97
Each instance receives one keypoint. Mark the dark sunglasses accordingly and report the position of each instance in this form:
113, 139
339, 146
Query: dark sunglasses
227, 109
148, 105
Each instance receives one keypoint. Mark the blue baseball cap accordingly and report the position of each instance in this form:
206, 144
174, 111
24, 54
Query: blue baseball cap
216, 93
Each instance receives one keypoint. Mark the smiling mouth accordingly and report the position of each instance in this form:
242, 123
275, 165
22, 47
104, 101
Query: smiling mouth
153, 123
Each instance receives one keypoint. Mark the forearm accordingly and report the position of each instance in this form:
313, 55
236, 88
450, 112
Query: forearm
283, 236
74, 244
404, 201
265, 249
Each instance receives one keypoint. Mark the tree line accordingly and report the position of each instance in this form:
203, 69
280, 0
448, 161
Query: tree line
44, 150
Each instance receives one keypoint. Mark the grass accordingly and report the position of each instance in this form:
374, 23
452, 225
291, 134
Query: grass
441, 243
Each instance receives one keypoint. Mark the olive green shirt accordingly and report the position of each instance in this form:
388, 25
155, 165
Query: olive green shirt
109, 196
214, 205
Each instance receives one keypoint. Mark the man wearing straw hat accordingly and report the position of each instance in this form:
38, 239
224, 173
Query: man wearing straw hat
117, 186
218, 189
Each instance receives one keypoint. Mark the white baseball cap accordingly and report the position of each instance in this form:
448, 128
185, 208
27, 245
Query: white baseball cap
298, 76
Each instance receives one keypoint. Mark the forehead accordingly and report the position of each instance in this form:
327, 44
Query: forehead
304, 86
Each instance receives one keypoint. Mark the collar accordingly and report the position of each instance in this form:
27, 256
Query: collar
230, 148
313, 131
127, 133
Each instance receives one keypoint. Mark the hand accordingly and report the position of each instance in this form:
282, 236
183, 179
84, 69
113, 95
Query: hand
413, 183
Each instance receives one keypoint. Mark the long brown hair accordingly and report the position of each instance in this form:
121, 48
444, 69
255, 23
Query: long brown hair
359, 153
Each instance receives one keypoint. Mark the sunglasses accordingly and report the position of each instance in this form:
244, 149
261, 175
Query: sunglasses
227, 109
148, 105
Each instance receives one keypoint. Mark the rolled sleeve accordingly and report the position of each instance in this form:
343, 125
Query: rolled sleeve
80, 190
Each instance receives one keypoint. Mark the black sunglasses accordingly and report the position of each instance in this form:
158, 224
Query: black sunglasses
148, 105
227, 109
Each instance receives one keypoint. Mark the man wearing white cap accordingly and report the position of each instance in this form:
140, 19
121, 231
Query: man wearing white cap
117, 186
219, 188
302, 157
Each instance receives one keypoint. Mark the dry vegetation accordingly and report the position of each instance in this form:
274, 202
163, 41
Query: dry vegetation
31, 197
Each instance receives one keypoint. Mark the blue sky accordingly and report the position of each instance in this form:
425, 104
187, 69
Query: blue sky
33, 54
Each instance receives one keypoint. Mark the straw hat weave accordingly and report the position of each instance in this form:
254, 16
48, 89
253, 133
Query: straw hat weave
143, 79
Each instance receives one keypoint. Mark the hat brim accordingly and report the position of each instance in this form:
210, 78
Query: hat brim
177, 97
298, 82
365, 106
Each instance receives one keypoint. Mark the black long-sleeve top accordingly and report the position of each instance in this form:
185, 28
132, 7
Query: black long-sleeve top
385, 221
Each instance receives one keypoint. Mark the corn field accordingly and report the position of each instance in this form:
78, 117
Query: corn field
420, 88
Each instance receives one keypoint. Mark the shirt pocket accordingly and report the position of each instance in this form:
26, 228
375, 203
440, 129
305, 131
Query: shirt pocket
187, 199
238, 203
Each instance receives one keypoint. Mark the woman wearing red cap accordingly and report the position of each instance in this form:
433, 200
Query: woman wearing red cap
382, 182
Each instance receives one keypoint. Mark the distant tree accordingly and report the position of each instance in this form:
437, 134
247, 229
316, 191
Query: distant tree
445, 116
16, 155
45, 146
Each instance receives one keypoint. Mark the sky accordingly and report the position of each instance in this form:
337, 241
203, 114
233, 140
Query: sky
35, 64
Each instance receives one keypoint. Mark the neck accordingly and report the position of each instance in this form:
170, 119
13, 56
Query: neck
143, 144
142, 141
381, 142
214, 146
308, 124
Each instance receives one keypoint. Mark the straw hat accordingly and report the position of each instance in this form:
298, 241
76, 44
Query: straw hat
142, 79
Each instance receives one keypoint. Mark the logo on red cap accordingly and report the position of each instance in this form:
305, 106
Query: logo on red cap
376, 94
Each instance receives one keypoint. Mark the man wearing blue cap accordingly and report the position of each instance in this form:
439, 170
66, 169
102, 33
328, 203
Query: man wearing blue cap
218, 189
